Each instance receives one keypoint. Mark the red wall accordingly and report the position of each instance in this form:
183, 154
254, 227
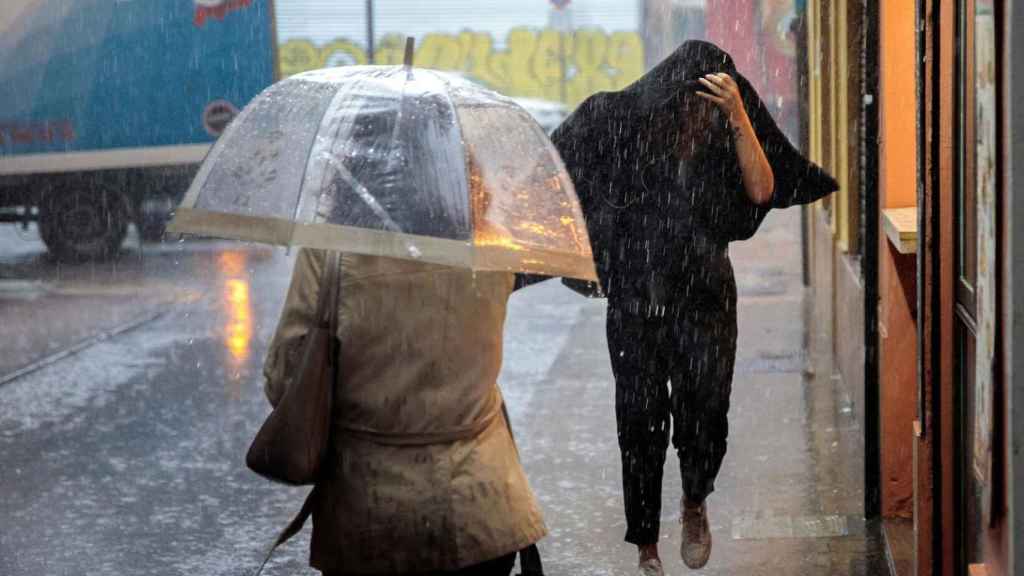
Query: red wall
758, 34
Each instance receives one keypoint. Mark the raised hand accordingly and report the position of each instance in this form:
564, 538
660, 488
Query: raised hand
725, 93
758, 179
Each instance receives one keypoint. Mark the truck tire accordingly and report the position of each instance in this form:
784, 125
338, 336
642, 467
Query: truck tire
151, 231
152, 215
80, 225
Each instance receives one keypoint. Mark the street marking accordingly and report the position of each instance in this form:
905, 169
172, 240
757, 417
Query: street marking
84, 344
25, 290
35, 289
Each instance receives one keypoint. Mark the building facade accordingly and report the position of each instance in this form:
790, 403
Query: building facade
913, 264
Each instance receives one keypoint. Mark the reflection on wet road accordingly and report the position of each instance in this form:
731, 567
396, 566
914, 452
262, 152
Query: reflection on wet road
238, 330
237, 313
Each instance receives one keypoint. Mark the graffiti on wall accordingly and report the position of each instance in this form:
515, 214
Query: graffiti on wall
529, 65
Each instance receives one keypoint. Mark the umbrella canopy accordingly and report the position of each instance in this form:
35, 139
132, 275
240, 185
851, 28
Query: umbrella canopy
392, 161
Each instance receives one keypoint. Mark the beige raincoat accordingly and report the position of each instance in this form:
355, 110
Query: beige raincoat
425, 475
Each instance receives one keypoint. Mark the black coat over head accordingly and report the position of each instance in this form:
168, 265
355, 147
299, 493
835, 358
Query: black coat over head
656, 171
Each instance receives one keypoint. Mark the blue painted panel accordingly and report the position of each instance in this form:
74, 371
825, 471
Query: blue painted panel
103, 74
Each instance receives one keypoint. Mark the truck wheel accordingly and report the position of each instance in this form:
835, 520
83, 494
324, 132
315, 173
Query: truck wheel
152, 215
83, 225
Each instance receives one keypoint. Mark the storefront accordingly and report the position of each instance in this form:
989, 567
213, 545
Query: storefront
930, 265
965, 337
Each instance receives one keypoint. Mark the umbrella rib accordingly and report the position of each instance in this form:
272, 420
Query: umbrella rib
465, 154
364, 194
305, 169
398, 126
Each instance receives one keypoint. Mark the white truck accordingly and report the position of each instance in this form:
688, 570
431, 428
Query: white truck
108, 106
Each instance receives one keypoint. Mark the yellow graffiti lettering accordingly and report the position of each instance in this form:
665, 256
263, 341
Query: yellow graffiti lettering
549, 58
590, 49
479, 53
297, 56
442, 51
625, 58
546, 63
516, 76
342, 53
390, 51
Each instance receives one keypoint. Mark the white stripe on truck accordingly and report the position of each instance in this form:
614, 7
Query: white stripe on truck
103, 159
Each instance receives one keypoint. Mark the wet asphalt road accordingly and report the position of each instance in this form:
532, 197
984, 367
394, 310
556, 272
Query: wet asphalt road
126, 454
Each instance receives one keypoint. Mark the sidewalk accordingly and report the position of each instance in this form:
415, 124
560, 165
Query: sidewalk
789, 496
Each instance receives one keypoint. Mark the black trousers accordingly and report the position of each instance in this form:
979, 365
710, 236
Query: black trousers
498, 567
690, 343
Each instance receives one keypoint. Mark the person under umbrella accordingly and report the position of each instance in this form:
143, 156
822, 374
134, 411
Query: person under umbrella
434, 194
668, 171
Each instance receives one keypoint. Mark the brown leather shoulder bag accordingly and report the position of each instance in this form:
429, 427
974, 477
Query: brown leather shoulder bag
293, 441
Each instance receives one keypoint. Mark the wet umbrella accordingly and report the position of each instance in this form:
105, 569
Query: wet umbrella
392, 161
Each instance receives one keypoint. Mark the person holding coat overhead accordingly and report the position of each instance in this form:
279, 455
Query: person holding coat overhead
669, 171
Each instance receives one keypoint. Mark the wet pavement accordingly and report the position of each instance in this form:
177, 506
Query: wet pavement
126, 456
789, 496
51, 308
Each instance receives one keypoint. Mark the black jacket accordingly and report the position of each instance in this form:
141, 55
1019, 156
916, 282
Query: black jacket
651, 212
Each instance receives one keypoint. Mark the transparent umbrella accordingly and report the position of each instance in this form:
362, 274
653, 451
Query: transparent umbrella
392, 161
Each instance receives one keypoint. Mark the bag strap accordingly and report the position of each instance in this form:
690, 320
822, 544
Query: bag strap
327, 301
293, 527
334, 273
326, 313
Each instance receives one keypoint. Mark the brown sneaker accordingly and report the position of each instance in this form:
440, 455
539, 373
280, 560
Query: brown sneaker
696, 541
651, 567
